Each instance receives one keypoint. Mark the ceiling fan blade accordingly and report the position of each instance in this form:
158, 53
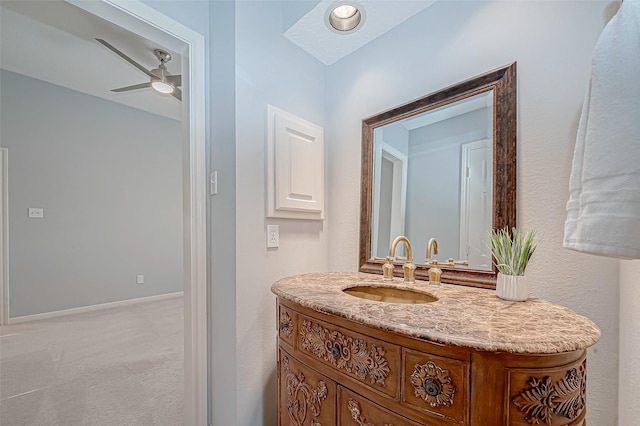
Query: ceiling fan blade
126, 58
134, 87
177, 93
175, 79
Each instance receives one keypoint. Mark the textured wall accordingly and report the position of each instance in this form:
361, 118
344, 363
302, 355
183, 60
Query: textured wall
269, 70
109, 178
451, 41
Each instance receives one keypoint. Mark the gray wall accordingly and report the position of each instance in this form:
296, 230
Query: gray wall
109, 179
396, 135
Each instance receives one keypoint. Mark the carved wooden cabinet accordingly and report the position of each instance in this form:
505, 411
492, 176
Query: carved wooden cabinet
332, 371
308, 397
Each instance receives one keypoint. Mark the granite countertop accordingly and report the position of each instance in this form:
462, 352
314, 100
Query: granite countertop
462, 316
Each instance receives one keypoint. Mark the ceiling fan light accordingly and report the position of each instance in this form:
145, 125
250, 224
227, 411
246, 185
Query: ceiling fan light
162, 86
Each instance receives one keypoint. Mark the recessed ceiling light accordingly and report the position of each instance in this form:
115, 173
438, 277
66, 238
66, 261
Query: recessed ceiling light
344, 12
344, 17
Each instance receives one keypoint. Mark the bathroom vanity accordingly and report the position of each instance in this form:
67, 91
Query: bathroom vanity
389, 354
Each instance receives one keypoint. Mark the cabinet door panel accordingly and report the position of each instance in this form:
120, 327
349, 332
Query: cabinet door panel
306, 397
355, 410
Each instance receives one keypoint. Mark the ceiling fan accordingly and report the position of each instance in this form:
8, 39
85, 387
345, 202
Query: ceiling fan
159, 78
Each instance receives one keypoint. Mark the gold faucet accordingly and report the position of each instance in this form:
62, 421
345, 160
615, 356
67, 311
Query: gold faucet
409, 268
431, 244
450, 263
434, 271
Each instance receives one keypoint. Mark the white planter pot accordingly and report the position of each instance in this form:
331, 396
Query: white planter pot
512, 287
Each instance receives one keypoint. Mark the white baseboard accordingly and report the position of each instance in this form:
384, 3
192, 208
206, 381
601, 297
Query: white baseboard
90, 308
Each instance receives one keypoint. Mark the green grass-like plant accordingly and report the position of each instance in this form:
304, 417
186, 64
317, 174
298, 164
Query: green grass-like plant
512, 252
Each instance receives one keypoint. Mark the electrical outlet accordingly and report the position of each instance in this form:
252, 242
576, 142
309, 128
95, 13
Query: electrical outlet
139, 279
273, 236
36, 213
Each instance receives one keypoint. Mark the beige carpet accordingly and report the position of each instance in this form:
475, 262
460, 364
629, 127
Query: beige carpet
120, 366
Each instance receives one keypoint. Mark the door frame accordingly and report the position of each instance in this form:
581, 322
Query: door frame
4, 236
399, 196
141, 19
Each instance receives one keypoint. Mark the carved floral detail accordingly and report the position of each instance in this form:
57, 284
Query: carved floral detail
543, 399
433, 384
303, 397
356, 414
286, 325
351, 355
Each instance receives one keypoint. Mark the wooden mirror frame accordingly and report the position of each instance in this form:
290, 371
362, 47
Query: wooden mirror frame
504, 85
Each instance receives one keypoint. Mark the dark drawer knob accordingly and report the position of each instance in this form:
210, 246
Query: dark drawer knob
335, 350
432, 387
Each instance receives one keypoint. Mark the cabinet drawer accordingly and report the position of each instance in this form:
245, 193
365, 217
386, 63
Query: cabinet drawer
354, 409
370, 361
553, 396
436, 385
305, 396
286, 324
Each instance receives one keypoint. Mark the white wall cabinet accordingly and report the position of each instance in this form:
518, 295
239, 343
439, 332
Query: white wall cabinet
295, 168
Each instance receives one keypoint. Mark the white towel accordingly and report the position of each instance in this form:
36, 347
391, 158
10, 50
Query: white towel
603, 212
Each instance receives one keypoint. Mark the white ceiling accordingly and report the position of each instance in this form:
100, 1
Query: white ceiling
312, 34
54, 41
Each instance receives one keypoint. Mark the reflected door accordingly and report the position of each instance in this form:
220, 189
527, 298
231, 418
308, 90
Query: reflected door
476, 203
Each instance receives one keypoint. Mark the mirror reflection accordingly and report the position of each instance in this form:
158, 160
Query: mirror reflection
433, 178
442, 168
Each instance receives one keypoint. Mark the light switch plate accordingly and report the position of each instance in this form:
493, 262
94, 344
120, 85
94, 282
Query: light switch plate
213, 183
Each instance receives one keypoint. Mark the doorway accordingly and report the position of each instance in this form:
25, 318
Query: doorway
149, 23
141, 19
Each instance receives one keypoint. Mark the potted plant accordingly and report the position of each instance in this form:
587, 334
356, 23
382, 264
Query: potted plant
512, 252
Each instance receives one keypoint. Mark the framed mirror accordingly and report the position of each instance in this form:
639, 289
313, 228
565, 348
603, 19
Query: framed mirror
442, 166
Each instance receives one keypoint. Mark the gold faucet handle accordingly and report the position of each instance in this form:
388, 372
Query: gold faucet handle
387, 268
409, 269
435, 263
450, 263
434, 275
